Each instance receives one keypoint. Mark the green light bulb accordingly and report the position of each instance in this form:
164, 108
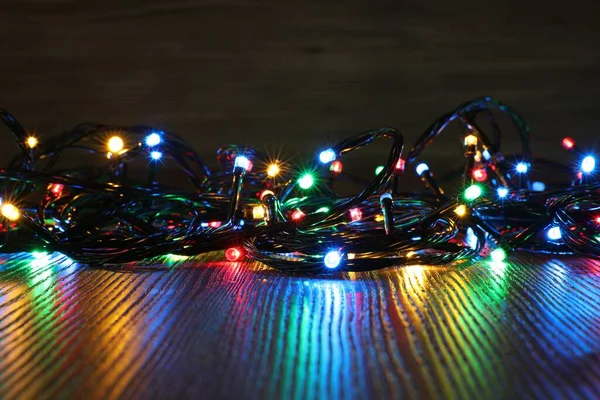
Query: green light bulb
306, 181
498, 255
379, 169
472, 192
323, 210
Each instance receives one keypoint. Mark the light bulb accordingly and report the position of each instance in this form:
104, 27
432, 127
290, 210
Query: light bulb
327, 156
470, 140
10, 212
355, 214
502, 192
332, 259
258, 212
336, 167
472, 192
32, 142
156, 155
115, 144
522, 168
479, 174
306, 181
400, 165
297, 215
554, 233
273, 170
379, 169
242, 162
421, 168
568, 143
498, 255
233, 254
461, 210
588, 164
153, 139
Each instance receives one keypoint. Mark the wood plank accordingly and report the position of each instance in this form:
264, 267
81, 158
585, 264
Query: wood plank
207, 328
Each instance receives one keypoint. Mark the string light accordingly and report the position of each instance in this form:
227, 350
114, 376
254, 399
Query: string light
115, 144
159, 219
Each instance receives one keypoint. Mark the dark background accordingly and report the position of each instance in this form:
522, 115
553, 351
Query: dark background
295, 75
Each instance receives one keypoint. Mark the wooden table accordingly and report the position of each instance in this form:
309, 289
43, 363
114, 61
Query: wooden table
207, 328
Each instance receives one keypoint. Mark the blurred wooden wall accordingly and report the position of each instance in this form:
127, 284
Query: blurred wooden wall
295, 73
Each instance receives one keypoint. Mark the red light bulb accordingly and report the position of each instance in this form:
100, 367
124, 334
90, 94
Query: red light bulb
214, 224
57, 188
400, 165
479, 174
233, 254
355, 214
336, 167
568, 143
296, 215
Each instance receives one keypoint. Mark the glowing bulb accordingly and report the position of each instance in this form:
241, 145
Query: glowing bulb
538, 186
461, 210
332, 259
502, 192
10, 212
214, 224
242, 162
421, 168
486, 155
56, 188
355, 214
153, 139
273, 170
322, 210
156, 155
588, 164
554, 233
32, 142
379, 218
327, 156
115, 144
306, 181
258, 212
479, 174
472, 192
498, 255
336, 167
233, 254
400, 165
470, 140
39, 254
522, 168
297, 215
568, 143
379, 169
597, 220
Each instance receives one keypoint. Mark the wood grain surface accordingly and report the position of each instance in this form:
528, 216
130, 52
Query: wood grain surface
206, 328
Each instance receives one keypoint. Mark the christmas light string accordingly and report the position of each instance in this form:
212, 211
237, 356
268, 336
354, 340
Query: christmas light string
291, 219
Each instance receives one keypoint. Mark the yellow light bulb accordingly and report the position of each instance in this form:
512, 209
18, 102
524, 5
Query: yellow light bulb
461, 210
379, 218
470, 140
258, 212
273, 170
410, 254
32, 142
10, 212
115, 144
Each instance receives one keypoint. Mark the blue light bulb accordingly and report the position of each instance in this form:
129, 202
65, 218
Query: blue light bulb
588, 164
421, 168
327, 156
242, 162
332, 259
522, 168
156, 155
502, 192
554, 233
153, 139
